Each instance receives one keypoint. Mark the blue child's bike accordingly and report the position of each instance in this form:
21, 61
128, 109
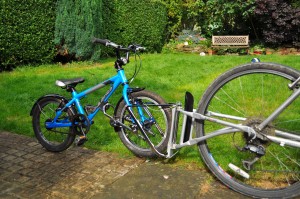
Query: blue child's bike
137, 117
247, 123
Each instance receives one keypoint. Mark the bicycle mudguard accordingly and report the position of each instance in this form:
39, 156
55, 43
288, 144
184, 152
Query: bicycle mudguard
45, 96
188, 106
134, 90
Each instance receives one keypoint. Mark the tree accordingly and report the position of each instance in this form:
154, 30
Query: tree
77, 22
210, 16
123, 22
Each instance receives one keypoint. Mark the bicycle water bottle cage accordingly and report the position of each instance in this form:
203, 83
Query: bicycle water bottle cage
69, 84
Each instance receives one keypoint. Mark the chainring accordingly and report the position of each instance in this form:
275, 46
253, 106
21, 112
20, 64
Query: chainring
80, 124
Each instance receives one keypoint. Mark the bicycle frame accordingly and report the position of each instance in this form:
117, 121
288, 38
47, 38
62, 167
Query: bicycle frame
292, 140
115, 82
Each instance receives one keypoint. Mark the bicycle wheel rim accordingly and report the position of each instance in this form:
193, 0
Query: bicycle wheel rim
262, 181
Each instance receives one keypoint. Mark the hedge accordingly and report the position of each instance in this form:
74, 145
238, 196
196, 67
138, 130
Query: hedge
26, 32
34, 31
121, 21
135, 21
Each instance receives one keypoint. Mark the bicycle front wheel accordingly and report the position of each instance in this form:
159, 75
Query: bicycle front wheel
155, 120
254, 167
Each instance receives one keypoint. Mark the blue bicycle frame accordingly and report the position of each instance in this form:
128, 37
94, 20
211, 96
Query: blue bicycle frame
115, 82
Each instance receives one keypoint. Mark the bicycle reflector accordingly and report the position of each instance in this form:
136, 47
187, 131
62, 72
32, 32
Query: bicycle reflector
255, 60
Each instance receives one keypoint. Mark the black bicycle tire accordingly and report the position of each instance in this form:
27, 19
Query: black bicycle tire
288, 192
133, 148
39, 135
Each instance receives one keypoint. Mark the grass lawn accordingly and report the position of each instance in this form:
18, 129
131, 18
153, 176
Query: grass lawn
169, 75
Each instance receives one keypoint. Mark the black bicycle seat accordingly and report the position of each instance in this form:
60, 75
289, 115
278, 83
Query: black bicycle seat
69, 82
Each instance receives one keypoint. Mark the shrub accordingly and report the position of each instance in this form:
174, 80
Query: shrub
77, 22
26, 32
278, 22
209, 16
190, 36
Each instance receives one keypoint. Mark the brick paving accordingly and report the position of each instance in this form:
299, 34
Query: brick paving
29, 171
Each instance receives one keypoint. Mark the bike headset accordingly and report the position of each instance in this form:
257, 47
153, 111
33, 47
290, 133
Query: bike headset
122, 61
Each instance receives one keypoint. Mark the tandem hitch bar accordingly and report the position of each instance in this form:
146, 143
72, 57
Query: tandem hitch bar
189, 117
186, 133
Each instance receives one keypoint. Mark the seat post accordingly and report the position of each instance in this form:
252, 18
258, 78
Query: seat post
70, 88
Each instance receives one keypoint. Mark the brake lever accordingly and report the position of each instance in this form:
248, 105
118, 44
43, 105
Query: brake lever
136, 47
141, 48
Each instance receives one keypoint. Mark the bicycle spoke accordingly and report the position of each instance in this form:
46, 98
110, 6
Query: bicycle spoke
159, 109
161, 132
230, 106
155, 122
233, 101
281, 122
283, 166
262, 92
241, 88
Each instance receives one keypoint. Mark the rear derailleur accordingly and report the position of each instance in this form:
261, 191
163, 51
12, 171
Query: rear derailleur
257, 144
258, 150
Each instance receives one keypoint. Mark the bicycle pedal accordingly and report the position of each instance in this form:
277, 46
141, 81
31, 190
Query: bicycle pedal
239, 171
80, 140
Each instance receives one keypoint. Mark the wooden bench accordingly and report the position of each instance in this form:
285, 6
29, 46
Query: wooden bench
230, 41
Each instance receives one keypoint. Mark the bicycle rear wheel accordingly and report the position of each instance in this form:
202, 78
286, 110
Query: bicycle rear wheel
257, 168
54, 139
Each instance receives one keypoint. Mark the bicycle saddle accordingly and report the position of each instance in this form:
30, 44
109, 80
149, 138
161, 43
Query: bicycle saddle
69, 82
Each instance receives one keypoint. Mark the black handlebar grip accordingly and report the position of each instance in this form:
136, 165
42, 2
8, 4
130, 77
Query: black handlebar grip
100, 41
142, 49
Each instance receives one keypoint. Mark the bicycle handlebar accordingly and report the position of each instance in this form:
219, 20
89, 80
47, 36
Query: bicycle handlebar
106, 42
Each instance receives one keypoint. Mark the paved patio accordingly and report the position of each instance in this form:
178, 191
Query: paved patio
29, 171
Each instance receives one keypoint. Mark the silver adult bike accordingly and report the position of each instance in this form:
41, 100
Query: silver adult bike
247, 128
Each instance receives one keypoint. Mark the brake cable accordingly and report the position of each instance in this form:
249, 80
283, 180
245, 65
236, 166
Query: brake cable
137, 68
